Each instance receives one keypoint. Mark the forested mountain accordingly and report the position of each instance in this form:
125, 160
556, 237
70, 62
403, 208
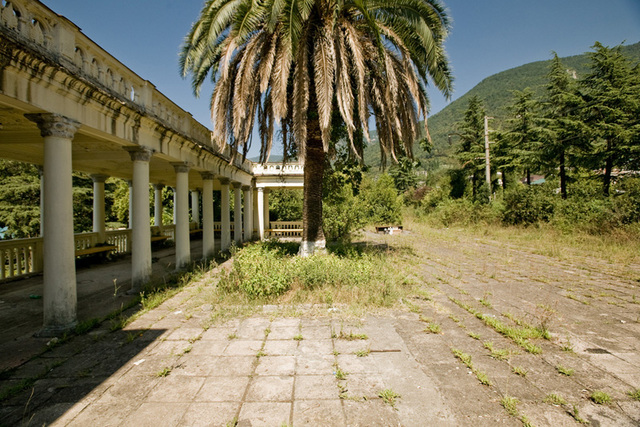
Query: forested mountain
496, 93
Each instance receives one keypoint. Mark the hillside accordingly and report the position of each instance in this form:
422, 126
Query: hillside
496, 93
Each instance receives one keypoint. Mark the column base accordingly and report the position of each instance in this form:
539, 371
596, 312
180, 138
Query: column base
55, 331
308, 248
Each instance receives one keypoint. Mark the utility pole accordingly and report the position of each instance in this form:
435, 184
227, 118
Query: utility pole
486, 151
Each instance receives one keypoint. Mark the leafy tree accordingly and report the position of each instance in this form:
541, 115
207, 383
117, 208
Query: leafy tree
19, 199
611, 92
285, 205
521, 141
562, 120
403, 174
382, 203
290, 63
471, 149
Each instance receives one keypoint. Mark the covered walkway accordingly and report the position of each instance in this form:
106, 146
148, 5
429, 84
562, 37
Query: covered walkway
101, 291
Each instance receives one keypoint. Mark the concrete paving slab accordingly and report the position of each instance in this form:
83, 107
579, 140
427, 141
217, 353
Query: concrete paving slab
264, 414
233, 366
326, 413
175, 388
209, 347
223, 389
270, 389
240, 347
281, 347
315, 364
276, 365
150, 414
208, 414
314, 387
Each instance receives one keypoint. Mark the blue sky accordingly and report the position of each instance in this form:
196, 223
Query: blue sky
488, 36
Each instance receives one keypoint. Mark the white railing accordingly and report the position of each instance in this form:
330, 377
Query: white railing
85, 240
278, 169
285, 229
120, 238
20, 257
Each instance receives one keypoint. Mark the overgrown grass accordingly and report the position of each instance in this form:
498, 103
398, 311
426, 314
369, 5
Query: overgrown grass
270, 273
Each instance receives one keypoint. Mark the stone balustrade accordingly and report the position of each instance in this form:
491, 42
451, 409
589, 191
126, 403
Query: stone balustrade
277, 169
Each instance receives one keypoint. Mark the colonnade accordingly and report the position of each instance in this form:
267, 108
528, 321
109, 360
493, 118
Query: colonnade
59, 294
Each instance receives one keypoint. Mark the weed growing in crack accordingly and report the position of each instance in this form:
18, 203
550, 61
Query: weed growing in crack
298, 337
510, 404
600, 397
163, 373
363, 352
634, 394
389, 397
564, 370
554, 399
466, 359
519, 370
433, 328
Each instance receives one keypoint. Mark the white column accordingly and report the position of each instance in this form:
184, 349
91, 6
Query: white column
99, 225
248, 213
157, 204
208, 242
267, 223
225, 236
141, 218
181, 208
130, 184
41, 173
256, 216
237, 214
175, 204
59, 289
195, 207
261, 213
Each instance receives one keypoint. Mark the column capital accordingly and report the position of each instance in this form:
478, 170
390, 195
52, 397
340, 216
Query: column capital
207, 175
181, 167
158, 186
236, 185
246, 187
54, 125
224, 181
139, 153
260, 189
98, 177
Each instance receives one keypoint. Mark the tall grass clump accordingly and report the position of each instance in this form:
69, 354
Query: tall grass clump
269, 271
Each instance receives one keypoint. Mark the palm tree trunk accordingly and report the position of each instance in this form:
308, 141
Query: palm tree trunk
312, 233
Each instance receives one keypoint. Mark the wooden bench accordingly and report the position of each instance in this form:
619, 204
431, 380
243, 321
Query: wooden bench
386, 228
96, 250
159, 238
283, 230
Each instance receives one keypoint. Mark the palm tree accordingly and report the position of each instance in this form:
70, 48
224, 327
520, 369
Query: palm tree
288, 63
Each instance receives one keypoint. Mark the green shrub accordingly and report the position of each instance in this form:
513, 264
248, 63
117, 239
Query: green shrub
526, 205
258, 271
342, 214
382, 203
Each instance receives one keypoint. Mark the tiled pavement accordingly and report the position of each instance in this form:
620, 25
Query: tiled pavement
167, 368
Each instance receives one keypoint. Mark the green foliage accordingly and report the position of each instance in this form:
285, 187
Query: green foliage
267, 270
382, 203
19, 199
285, 205
527, 205
403, 174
